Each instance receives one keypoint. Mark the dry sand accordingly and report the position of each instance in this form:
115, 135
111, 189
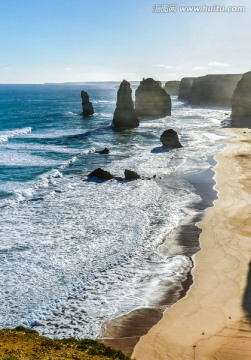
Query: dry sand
213, 321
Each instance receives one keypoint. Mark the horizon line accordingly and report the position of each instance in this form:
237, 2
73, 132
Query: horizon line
112, 81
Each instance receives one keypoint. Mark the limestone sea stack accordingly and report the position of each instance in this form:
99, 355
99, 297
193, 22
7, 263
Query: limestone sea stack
124, 115
170, 139
214, 90
152, 100
241, 102
185, 88
86, 104
172, 87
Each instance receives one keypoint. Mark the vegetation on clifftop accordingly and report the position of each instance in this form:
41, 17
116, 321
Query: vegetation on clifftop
22, 343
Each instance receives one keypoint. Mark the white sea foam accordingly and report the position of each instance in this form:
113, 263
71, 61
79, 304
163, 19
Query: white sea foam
6, 135
83, 234
103, 102
104, 115
69, 162
70, 113
120, 290
12, 156
50, 133
22, 192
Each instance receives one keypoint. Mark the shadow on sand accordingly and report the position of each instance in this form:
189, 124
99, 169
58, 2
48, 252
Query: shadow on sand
247, 295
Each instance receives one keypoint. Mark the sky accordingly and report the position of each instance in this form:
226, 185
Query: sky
111, 40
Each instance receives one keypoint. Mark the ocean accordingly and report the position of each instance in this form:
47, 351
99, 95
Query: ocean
75, 253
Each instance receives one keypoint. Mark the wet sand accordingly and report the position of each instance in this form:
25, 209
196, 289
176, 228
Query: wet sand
213, 321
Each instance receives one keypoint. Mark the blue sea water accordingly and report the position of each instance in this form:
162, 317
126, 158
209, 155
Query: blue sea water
75, 253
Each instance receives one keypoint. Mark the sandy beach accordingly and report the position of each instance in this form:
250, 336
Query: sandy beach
213, 320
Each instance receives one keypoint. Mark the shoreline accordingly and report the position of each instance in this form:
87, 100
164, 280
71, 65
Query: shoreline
123, 332
213, 319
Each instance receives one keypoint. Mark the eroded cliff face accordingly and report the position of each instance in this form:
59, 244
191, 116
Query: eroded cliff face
124, 115
214, 90
185, 88
172, 87
86, 104
241, 101
152, 100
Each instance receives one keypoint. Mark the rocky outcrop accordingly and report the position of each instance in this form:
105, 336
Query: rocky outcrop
172, 87
241, 101
214, 90
86, 104
131, 175
105, 151
125, 116
101, 174
104, 175
185, 88
170, 139
151, 99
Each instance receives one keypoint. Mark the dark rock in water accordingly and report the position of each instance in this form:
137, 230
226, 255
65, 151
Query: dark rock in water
86, 104
36, 324
101, 174
172, 87
37, 199
170, 139
105, 151
185, 88
151, 99
241, 102
214, 90
131, 175
125, 116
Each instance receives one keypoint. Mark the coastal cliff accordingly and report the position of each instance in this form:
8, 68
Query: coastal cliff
214, 90
185, 88
125, 116
23, 344
152, 99
172, 87
241, 102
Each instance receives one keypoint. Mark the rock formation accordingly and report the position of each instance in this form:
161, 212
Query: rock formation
105, 151
241, 102
86, 104
214, 90
170, 139
101, 174
131, 175
151, 99
185, 88
172, 87
125, 116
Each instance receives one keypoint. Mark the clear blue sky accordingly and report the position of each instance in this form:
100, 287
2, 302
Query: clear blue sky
82, 40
